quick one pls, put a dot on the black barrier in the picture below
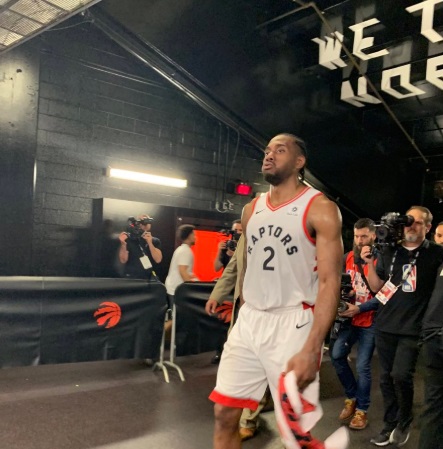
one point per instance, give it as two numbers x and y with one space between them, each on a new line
196 331
58 320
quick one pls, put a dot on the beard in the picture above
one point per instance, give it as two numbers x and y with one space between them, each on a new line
273 178
357 250
411 238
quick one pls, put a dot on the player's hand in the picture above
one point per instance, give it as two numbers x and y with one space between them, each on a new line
210 306
123 237
305 365
222 246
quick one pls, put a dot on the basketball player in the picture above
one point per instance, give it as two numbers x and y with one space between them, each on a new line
293 258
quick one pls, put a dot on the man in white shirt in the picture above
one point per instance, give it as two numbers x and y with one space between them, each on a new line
182 263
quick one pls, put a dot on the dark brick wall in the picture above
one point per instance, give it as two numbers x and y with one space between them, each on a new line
19 84
98 107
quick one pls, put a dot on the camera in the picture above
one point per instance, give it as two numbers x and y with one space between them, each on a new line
231 243
346 296
389 231
134 229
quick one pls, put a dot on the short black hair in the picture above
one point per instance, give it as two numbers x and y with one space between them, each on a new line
303 149
184 231
365 223
238 221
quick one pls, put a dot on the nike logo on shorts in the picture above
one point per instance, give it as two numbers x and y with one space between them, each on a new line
298 326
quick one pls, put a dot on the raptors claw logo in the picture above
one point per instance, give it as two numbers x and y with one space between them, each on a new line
108 313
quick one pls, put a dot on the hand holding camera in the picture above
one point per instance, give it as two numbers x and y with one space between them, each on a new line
147 236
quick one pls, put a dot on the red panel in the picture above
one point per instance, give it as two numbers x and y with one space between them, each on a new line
205 250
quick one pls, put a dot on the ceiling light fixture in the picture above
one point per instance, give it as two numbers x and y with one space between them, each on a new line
146 177
21 20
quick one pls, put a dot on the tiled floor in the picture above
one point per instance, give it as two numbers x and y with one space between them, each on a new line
124 405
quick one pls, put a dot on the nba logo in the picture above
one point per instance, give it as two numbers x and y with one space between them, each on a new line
410 284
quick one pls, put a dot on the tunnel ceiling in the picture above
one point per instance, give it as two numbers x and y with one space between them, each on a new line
260 60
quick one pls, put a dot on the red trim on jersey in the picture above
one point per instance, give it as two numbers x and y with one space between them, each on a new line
305 227
233 402
272 208
254 202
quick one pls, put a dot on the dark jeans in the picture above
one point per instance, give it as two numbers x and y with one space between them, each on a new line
397 357
431 435
360 387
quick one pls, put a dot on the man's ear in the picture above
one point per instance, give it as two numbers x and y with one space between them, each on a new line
300 161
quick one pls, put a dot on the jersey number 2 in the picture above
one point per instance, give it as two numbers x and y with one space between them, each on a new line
266 263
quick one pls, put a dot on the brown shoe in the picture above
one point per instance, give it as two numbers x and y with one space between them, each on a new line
348 412
247 433
359 421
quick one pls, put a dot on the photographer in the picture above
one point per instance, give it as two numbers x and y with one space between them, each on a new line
356 325
227 248
404 278
139 250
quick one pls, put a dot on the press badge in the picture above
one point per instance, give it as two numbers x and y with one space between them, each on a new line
145 262
386 292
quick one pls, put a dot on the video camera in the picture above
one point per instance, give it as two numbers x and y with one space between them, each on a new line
234 236
134 230
390 230
346 296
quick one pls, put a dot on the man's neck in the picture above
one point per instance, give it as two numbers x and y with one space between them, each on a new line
285 191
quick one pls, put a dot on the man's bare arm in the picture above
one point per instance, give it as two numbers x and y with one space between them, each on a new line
324 220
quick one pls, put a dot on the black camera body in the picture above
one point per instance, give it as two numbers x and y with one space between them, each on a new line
231 243
346 296
390 230
134 230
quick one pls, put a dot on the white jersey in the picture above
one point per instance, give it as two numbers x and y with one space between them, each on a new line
281 255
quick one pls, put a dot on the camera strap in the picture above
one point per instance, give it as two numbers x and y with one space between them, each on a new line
406 273
362 273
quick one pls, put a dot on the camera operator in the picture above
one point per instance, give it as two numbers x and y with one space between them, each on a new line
139 250
226 249
431 433
359 327
404 278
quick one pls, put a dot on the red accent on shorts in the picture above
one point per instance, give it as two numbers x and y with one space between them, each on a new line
307 306
305 227
233 402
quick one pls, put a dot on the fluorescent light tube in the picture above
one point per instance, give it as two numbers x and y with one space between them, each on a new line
146 177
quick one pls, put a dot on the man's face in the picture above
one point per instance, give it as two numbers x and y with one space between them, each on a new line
146 227
362 237
416 233
438 236
237 228
192 238
282 160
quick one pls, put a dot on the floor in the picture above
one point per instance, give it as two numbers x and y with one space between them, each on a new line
125 405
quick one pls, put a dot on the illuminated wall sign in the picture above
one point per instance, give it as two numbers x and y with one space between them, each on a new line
330 49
